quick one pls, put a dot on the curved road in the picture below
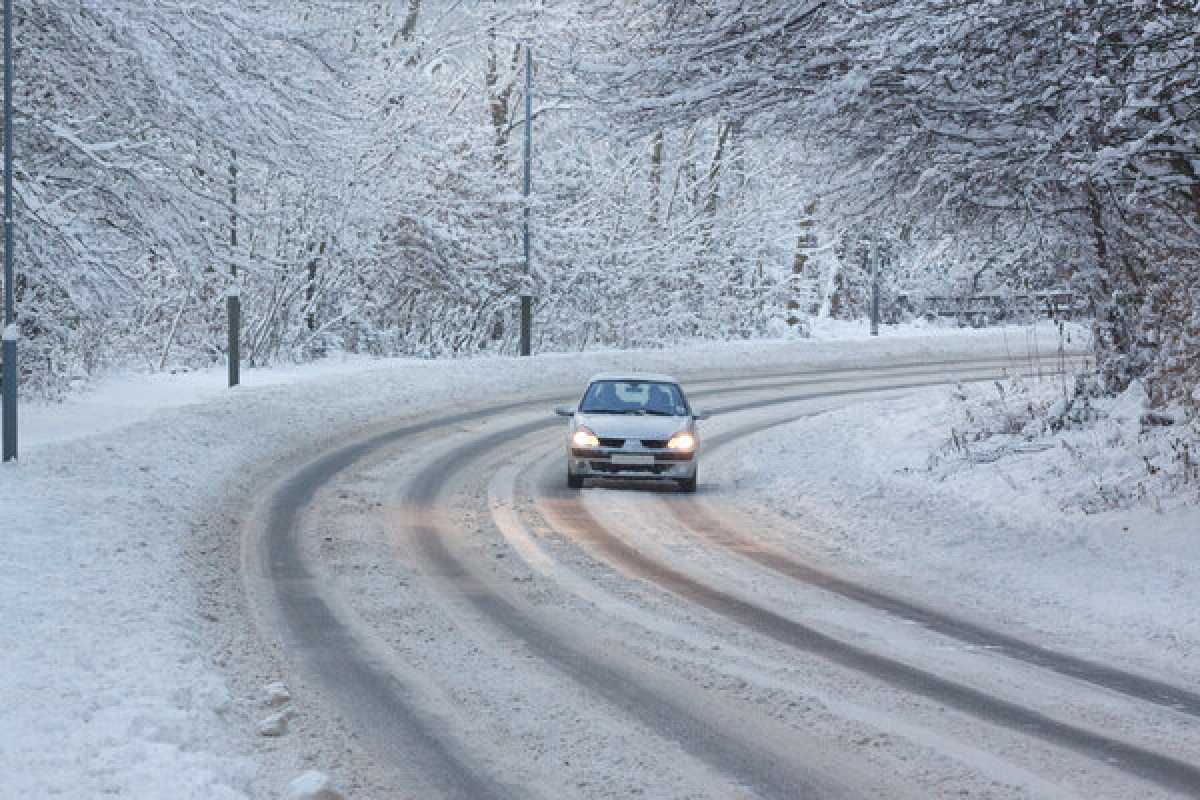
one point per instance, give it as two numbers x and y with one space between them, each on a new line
486 632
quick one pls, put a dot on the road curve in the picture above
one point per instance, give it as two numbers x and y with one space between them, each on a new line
373 698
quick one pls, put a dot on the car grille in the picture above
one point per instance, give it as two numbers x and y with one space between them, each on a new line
649 469
650 444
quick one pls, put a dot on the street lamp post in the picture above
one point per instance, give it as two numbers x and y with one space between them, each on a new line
10 321
526 299
233 298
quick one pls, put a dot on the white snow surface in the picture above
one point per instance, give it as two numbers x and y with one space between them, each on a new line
109 684
1016 529
313 785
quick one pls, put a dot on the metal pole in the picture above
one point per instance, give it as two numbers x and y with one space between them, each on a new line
233 301
233 307
526 299
874 289
10 334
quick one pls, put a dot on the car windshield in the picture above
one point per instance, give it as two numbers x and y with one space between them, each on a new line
634 397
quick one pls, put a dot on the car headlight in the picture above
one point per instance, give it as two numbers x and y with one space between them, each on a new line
682 441
584 438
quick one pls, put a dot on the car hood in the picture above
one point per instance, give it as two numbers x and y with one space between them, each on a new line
632 426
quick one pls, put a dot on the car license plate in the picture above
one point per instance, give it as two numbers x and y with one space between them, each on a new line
632 461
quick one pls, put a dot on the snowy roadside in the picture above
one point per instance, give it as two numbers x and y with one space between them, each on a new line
1004 529
109 669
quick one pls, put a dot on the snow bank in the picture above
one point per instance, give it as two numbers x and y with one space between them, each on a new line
313 785
108 666
1098 453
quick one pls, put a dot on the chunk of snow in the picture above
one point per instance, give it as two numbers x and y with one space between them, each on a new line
1129 404
313 785
276 724
276 694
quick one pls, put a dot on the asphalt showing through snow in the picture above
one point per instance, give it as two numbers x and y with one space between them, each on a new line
1129 684
382 706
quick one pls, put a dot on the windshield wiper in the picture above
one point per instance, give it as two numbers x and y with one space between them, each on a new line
658 413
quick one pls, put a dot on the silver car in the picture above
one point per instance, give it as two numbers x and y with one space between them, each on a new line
632 427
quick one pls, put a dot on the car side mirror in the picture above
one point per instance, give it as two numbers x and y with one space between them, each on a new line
699 415
565 411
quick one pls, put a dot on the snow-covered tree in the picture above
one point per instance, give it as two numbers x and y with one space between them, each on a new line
1064 132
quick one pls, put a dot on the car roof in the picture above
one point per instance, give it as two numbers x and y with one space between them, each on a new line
649 377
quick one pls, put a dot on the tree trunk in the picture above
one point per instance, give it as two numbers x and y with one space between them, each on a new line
724 129
410 20
310 290
498 98
683 169
805 242
656 159
713 186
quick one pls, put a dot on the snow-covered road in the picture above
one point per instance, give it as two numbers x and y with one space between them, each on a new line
485 632
391 539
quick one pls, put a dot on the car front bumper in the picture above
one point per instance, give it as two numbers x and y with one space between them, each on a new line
650 464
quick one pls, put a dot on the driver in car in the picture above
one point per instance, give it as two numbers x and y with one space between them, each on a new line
660 401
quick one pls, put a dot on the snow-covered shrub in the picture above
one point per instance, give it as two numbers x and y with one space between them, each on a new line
1096 451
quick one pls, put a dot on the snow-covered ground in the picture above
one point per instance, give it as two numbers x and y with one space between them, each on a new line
1047 536
111 676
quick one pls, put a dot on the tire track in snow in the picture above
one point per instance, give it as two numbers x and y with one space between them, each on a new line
289 598
661 703
709 528
376 699
1166 771
379 702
